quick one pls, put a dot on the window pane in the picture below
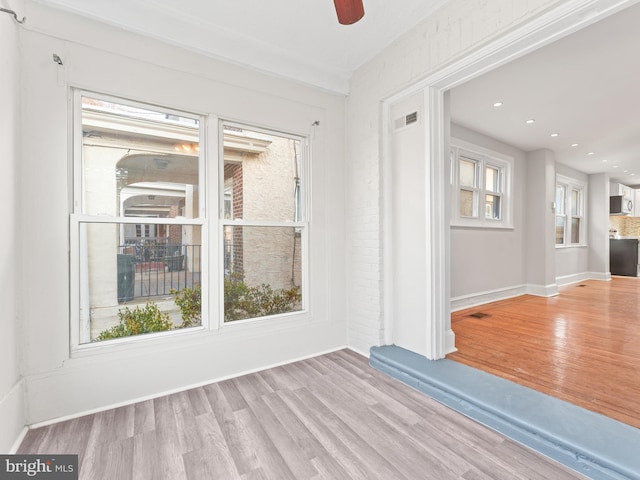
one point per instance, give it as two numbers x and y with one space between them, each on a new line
467 173
575 202
263 271
575 230
560 190
135 285
492 207
492 179
467 207
262 175
560 222
138 162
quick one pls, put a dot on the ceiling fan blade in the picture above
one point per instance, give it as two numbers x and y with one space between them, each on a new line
349 11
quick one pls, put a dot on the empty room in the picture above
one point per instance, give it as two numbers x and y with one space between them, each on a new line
325 239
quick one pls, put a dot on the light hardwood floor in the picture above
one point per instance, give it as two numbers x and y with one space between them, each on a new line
582 346
329 417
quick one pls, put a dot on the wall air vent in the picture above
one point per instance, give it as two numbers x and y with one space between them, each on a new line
406 120
411 118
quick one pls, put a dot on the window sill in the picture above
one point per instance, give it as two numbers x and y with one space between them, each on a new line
466 226
576 245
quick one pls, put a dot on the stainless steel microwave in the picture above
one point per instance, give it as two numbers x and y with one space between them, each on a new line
620 205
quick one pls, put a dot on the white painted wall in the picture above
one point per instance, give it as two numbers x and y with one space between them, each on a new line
12 414
598 226
409 285
456 29
540 223
103 59
490 262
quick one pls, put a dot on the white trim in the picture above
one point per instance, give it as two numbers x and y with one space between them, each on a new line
484 158
480 298
181 389
12 416
581 277
535 33
570 185
550 290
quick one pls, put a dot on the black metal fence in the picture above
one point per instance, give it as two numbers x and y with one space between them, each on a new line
149 269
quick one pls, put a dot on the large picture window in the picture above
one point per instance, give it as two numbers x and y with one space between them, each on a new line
138 223
481 187
264 222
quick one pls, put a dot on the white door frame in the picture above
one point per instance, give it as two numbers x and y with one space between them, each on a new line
548 27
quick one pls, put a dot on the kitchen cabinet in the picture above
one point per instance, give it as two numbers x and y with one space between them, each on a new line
636 203
620 189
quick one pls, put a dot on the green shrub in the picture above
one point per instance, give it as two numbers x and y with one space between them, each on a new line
138 321
189 301
242 301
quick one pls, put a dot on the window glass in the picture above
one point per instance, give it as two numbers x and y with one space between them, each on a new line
492 179
263 268
467 173
492 207
575 230
560 190
467 204
262 174
575 202
137 163
263 264
133 286
560 222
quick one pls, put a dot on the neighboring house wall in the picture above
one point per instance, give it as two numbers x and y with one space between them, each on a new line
456 29
12 415
268 193
113 61
487 264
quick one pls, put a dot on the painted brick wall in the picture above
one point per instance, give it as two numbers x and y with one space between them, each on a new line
454 30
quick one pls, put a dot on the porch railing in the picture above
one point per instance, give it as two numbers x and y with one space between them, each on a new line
149 269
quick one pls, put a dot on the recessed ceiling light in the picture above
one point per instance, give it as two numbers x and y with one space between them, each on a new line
632 175
604 160
626 171
555 134
531 120
498 104
590 153
574 144
615 166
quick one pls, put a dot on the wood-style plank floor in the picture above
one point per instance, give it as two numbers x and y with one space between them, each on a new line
582 346
329 417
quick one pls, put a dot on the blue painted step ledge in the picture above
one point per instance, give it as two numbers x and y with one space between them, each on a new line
592 444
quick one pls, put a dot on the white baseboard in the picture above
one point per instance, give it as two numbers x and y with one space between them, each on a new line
450 342
480 298
542 290
581 277
12 418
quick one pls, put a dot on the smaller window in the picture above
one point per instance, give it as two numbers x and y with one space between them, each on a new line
481 182
569 212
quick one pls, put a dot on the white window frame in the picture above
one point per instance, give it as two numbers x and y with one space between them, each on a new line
484 158
570 185
301 223
78 334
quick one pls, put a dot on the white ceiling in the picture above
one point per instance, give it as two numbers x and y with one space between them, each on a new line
299 39
585 87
